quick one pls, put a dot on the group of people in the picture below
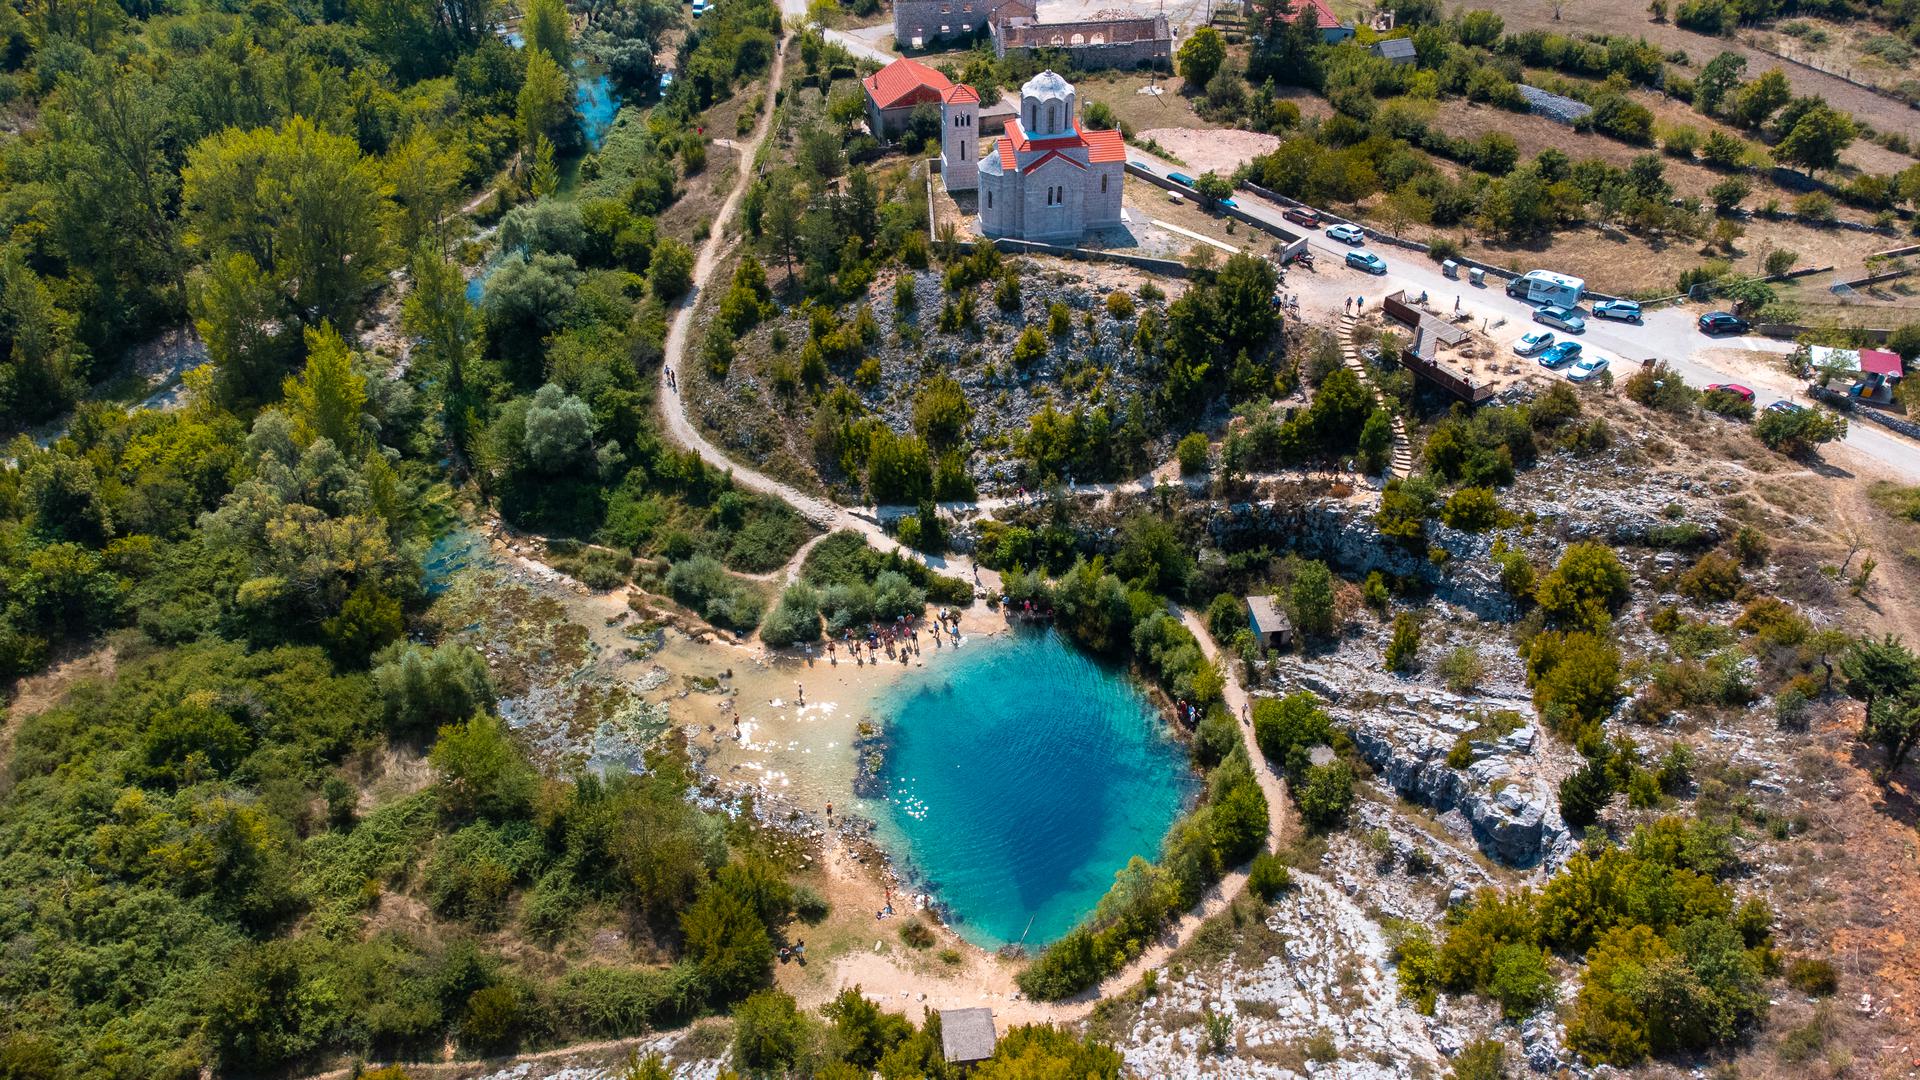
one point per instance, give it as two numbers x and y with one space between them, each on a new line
899 640
1024 609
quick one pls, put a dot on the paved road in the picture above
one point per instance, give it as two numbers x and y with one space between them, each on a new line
1667 333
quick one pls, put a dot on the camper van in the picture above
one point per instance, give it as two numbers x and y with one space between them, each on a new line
1547 287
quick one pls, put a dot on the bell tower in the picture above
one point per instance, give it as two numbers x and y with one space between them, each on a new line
960 138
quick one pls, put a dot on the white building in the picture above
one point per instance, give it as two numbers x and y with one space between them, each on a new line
1046 178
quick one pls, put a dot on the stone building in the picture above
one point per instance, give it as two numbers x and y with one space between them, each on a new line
922 24
896 90
1118 42
1047 178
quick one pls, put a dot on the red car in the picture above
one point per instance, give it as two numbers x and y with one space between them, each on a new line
1735 389
1300 215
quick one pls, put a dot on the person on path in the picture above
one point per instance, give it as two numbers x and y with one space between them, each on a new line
1363 304
1349 304
801 693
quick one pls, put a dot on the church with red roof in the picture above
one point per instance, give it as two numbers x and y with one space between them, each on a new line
1048 178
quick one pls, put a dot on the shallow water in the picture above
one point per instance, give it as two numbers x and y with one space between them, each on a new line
1020 776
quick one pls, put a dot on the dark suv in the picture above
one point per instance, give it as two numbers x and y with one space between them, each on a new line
1720 322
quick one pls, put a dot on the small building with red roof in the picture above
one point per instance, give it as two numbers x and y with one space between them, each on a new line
896 90
1332 30
1047 177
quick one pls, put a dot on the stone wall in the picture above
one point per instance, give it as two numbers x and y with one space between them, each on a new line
1103 43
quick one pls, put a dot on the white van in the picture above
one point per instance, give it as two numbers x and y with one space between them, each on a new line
1547 287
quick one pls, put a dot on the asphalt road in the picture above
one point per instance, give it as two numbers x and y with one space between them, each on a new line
1668 333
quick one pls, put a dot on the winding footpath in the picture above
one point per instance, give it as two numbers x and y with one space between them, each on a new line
681 428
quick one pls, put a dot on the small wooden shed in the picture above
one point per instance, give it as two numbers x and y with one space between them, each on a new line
1271 628
966 1035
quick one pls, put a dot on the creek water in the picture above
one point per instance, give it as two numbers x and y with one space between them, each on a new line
1020 775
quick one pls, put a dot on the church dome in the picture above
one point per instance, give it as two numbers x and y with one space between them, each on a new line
1047 105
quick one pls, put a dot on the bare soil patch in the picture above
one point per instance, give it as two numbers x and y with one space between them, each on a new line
37 693
1213 151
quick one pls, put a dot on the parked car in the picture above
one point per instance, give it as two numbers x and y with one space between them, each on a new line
1786 407
1624 310
1565 318
1564 353
1533 342
1180 178
666 81
1722 322
699 7
1300 215
1347 234
1368 261
1226 202
1589 368
1735 389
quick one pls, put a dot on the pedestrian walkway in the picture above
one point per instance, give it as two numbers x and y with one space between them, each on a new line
1401 462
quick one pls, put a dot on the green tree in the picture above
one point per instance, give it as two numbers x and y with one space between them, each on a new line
1042 1050
239 311
329 398
1376 440
546 99
1287 728
441 320
301 202
727 943
1760 99
671 273
1816 139
424 173
423 689
543 178
1312 595
1326 794
1575 679
1473 509
1718 78
767 1031
480 770
1877 669
544 25
1201 56
1403 650
1797 433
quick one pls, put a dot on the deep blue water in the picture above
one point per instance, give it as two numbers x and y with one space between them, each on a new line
1021 774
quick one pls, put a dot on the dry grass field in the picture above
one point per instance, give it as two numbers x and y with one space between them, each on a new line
1630 17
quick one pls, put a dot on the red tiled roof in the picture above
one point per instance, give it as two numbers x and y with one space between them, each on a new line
959 93
1101 146
1104 146
1323 15
900 82
1879 362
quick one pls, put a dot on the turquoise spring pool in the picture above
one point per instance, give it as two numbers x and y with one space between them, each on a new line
1021 774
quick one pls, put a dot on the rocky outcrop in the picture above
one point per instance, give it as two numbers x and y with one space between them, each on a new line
1514 818
1344 535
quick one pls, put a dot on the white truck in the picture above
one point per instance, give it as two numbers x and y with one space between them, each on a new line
1547 287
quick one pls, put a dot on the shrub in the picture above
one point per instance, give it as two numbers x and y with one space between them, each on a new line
1031 346
1584 793
1575 679
1661 388
1585 589
1192 451
1797 433
1812 976
1714 578
1485 1059
1286 728
1403 650
1727 403
767 1031
795 619
1463 669
1521 981
916 934
1327 795
1472 509
1120 305
1268 877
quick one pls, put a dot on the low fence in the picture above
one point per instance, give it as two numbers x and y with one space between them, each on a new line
1855 410
1791 331
1292 243
1895 253
1873 279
